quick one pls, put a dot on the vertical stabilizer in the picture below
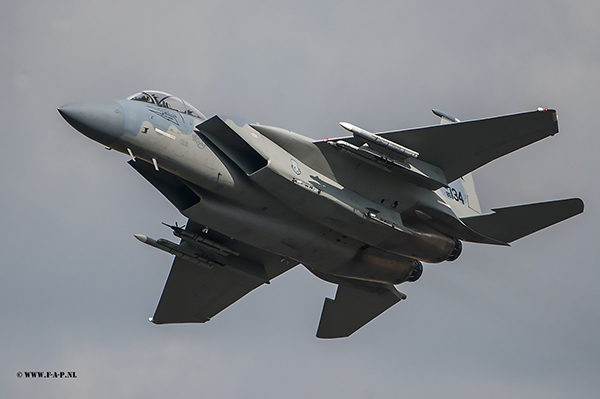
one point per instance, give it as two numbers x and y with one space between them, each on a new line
469 186
461 194
462 197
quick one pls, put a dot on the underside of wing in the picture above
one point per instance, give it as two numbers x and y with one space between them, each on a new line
194 293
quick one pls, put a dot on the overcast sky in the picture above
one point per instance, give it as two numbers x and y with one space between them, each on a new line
76 288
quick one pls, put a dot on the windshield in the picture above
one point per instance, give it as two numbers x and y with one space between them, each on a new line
166 100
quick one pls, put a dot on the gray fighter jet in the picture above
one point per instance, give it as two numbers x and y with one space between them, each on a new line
361 211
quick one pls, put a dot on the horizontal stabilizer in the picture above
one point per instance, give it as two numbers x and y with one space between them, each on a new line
515 222
354 306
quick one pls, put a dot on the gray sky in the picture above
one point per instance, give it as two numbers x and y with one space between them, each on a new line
76 288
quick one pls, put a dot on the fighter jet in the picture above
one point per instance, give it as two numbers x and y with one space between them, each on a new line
362 211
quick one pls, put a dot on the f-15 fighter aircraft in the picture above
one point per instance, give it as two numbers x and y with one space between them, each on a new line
362 211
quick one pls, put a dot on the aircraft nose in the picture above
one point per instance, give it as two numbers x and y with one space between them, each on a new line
101 121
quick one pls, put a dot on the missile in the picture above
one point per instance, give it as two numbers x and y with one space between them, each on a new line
197 238
365 153
176 249
242 265
445 116
379 141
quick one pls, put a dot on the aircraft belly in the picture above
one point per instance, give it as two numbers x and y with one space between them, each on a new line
287 236
293 200
302 240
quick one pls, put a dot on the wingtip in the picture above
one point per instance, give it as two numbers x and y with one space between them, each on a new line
581 204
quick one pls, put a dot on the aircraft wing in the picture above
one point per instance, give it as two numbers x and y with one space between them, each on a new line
460 148
194 294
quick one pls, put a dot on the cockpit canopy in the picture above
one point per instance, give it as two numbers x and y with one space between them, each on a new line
166 100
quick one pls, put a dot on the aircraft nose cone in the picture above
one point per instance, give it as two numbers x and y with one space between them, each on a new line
101 121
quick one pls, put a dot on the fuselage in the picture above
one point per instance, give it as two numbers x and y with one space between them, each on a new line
274 190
